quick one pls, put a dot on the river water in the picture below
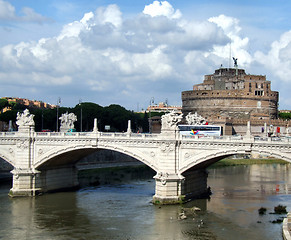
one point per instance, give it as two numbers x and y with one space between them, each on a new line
124 211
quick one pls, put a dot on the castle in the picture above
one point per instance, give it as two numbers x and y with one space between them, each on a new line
229 97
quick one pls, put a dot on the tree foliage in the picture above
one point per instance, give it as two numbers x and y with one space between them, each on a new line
114 115
285 116
87 112
3 103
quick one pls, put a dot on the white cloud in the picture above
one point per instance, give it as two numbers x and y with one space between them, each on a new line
229 24
162 8
278 59
7 13
238 46
110 14
42 78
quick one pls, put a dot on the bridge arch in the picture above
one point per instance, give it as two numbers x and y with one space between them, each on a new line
72 154
206 160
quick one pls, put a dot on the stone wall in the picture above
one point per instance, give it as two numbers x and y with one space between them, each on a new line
235 104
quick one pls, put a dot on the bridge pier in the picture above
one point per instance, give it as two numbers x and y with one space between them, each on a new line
28 182
175 188
195 184
25 183
168 188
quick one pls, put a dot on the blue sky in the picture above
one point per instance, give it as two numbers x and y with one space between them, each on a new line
127 52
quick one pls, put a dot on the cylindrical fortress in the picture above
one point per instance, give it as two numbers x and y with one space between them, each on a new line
231 93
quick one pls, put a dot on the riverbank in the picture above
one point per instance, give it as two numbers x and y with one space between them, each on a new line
233 162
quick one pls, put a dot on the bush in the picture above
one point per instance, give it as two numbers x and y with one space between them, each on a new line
280 209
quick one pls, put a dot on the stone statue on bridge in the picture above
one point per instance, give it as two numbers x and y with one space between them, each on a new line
195 119
170 121
25 119
67 121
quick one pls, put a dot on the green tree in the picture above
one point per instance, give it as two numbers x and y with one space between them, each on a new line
114 115
9 115
90 111
3 103
285 116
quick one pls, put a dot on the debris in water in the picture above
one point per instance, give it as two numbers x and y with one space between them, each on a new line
262 210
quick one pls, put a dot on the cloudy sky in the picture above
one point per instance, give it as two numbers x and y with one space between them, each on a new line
128 52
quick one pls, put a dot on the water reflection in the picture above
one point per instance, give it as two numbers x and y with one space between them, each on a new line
124 210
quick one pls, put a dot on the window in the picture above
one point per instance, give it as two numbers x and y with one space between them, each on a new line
259 93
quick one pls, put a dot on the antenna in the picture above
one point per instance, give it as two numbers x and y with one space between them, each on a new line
229 60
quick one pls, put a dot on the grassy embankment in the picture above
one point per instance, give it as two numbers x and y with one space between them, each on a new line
233 162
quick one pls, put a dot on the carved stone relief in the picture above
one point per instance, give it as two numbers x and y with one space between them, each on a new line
171 120
195 119
167 147
67 121
23 144
163 176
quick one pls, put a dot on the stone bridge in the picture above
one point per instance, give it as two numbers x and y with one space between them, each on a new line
46 161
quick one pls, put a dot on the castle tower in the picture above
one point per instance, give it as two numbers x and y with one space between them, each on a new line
230 93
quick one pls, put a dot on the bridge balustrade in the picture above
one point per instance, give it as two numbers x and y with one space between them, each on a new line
88 134
284 139
104 134
137 135
42 134
85 133
7 133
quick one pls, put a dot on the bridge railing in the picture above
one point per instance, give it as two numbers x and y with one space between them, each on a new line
7 133
133 135
207 138
283 139
61 134
92 134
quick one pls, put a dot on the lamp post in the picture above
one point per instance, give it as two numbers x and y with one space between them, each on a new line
58 103
81 123
41 119
150 120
